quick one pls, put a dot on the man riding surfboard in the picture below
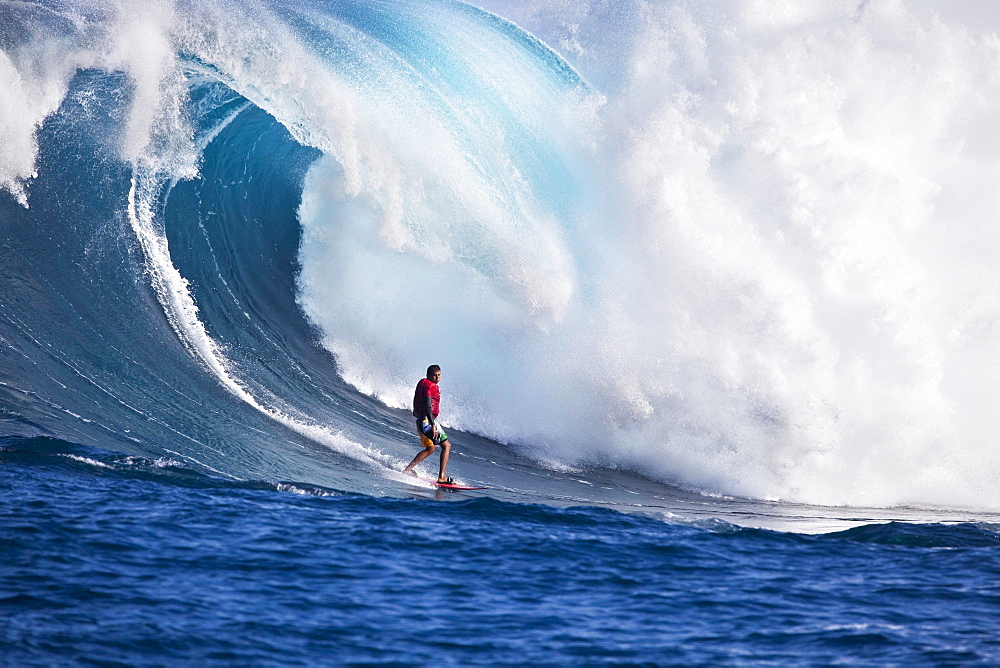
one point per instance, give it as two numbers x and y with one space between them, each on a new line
426 405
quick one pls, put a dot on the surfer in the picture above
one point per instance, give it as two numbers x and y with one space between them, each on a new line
426 402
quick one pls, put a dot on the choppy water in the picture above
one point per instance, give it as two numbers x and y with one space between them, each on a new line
110 560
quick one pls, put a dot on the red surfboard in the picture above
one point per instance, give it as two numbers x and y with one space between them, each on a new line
444 485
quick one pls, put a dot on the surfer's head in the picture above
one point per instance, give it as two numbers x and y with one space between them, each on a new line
434 373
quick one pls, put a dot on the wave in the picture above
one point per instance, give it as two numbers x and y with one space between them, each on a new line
958 536
43 452
744 250
76 464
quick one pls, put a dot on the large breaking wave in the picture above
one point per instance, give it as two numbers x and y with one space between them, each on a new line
748 249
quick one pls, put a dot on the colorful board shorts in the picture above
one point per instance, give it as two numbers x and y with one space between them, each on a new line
425 430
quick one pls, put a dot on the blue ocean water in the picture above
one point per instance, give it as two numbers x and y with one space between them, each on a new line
716 313
114 560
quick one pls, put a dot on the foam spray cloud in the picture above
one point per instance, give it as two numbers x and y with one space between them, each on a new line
784 286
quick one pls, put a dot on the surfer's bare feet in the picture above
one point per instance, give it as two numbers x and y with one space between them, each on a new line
410 472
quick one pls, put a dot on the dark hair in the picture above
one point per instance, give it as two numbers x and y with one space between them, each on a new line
431 369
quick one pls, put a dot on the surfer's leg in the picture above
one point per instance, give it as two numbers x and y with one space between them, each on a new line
428 448
421 456
445 452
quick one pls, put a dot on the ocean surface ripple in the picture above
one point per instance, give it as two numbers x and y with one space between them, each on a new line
108 563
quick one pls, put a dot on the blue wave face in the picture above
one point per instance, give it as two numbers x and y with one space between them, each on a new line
92 358
155 274
237 233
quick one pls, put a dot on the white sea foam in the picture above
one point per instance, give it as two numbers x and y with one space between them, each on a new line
89 461
789 287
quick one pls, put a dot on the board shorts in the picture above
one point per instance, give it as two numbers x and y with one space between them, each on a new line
425 430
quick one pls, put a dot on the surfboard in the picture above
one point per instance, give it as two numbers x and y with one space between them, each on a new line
443 485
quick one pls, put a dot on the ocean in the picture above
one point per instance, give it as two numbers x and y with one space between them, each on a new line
713 288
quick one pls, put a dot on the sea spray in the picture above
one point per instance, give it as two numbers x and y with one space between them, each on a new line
781 290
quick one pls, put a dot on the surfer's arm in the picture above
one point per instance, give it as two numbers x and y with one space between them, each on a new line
428 411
